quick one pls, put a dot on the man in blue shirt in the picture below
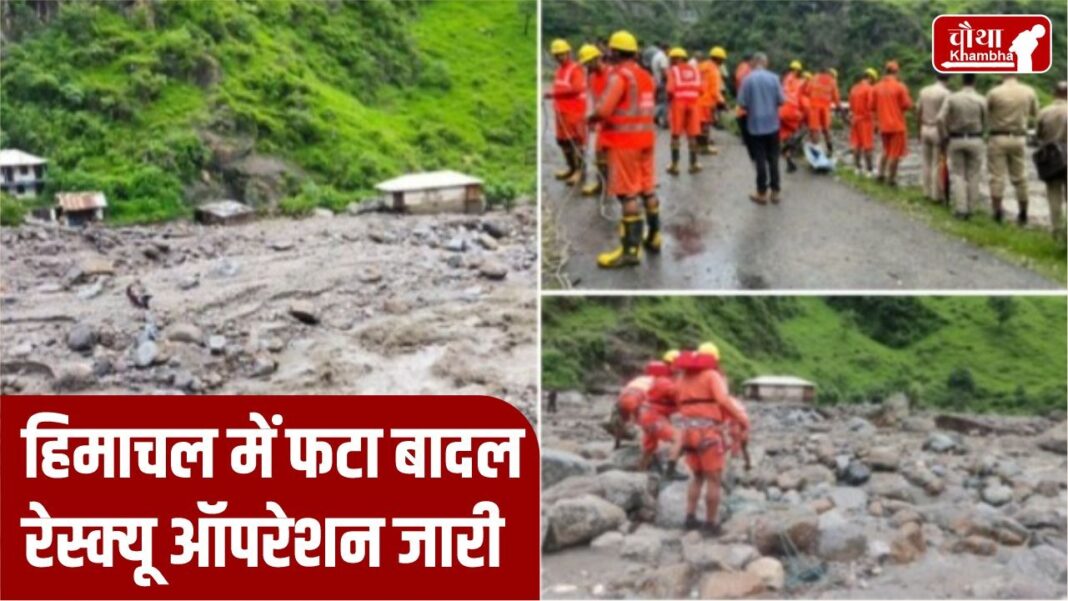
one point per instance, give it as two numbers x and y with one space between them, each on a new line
761 96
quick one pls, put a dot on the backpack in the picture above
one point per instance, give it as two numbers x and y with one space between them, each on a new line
1050 160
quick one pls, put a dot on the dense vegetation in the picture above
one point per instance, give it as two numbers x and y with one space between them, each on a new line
838 33
148 101
1004 354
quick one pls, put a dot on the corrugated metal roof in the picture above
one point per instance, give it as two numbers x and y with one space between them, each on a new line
425 181
81 201
778 381
13 157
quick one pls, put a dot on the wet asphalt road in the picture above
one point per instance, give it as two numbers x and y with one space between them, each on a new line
823 236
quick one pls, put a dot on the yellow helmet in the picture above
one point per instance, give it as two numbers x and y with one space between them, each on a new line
795 65
677 52
559 46
718 52
670 356
623 40
709 348
833 72
806 75
872 73
587 53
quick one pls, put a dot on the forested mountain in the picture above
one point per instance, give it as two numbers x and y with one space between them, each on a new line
164 103
847 35
999 353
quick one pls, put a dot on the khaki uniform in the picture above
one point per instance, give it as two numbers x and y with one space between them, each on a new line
1053 127
1009 104
962 119
929 104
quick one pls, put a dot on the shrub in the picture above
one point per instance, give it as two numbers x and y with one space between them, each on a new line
11 211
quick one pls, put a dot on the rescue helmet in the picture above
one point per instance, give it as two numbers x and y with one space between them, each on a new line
670 356
657 369
795 65
892 66
708 348
587 53
623 41
718 52
677 52
872 73
559 46
833 72
806 75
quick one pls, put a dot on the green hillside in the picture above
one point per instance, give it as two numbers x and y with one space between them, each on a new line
847 35
163 104
1003 354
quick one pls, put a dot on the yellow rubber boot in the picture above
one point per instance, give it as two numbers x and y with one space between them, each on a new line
592 189
628 254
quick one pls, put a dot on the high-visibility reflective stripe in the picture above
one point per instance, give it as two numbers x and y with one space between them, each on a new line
562 85
687 82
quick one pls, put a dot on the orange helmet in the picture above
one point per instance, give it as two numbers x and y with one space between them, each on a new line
658 369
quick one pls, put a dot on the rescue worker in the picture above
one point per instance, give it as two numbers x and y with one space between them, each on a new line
1053 129
791 82
761 96
1010 105
569 104
961 121
861 129
711 99
625 113
683 91
596 79
890 99
791 116
928 105
653 413
823 97
740 73
705 409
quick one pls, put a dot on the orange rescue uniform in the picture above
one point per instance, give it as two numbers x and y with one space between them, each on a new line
569 102
889 101
705 407
711 90
684 90
626 114
861 132
740 73
654 416
598 80
823 94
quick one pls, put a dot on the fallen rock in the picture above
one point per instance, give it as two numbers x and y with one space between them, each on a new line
729 585
608 540
644 545
891 486
940 442
770 571
304 312
799 525
976 545
884 458
557 465
848 499
146 354
81 338
667 582
73 376
840 539
997 494
217 344
185 332
704 554
909 544
493 270
1054 440
856 473
579 520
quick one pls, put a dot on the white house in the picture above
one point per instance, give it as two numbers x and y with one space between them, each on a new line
21 174
434 192
779 388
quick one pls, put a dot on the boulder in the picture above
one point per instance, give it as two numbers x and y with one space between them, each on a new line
848 499
976 545
856 473
790 480
940 442
730 585
1054 440
798 525
557 465
840 539
627 490
81 338
815 474
304 312
185 332
704 554
891 486
918 474
73 376
579 520
644 545
667 582
997 494
884 458
861 427
609 540
146 354
770 571
908 544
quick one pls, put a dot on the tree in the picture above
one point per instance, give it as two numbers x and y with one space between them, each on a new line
1004 307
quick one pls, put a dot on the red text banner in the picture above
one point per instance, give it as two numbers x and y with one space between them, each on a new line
992 43
275 497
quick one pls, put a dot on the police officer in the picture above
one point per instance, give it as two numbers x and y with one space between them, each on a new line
927 108
1052 129
1010 105
961 122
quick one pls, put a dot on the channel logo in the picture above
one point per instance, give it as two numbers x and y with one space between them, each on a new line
992 43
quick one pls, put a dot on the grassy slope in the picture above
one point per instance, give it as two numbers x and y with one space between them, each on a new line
351 94
585 339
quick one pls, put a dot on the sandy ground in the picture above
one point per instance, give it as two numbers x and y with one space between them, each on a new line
824 235
400 305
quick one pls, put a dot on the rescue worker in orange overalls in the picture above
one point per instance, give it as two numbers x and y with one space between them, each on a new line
706 411
683 92
625 113
711 98
823 97
791 115
889 101
596 79
862 124
649 401
793 79
569 104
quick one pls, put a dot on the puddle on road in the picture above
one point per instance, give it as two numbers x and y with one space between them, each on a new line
688 238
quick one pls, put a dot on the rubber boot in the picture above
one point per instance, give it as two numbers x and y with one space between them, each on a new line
629 252
579 174
830 147
999 213
652 230
1021 217
674 168
569 156
695 167
691 523
711 148
602 177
